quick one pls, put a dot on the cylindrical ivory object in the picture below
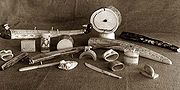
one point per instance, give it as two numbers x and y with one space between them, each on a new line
107 35
131 57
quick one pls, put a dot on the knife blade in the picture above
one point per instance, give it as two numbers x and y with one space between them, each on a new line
102 71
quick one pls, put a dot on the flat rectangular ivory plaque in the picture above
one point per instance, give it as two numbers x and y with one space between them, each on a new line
28 45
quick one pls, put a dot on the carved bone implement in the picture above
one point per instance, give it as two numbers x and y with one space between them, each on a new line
53 54
14 60
122 45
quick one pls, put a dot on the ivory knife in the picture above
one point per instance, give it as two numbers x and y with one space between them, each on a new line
102 71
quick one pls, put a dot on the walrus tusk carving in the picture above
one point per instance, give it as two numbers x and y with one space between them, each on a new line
122 45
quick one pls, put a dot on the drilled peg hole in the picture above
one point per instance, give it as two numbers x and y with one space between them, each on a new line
105 20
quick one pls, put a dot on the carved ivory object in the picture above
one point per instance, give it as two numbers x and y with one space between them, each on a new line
131 57
122 45
28 45
102 71
38 66
45 42
110 55
106 21
149 72
65 65
14 60
66 41
50 55
88 51
8 33
6 55
148 40
107 35
116 65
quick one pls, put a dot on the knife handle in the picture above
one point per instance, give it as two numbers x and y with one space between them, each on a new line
28 68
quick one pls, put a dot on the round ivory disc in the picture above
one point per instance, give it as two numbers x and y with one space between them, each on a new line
64 43
106 20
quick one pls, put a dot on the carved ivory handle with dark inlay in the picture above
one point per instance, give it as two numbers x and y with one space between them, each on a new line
148 40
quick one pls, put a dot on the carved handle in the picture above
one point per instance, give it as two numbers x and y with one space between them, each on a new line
14 60
148 40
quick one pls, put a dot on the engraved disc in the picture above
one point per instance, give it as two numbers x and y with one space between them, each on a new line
106 20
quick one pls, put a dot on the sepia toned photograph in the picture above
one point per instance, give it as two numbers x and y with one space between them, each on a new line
89 45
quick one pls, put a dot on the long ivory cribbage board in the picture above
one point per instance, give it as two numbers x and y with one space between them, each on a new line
122 45
32 34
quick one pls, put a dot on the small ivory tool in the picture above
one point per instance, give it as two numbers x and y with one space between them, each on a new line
50 55
102 71
14 60
88 51
122 45
148 71
65 65
148 40
38 66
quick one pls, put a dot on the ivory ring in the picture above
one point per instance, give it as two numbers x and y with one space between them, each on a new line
116 65
110 55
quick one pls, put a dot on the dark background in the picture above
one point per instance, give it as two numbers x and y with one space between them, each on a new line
155 15
155 18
